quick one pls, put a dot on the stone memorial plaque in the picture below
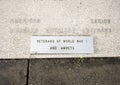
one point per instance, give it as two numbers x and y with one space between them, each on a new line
22 19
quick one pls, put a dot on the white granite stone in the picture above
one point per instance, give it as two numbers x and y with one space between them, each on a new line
21 19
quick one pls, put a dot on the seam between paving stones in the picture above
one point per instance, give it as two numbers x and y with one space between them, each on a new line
28 71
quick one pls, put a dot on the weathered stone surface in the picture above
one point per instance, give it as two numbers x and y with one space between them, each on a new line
75 71
13 72
21 19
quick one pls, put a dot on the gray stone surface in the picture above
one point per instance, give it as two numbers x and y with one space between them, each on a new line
79 71
75 71
13 72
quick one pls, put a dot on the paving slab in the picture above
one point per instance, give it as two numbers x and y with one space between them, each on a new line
13 72
80 71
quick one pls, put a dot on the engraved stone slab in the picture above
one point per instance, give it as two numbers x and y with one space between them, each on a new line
21 19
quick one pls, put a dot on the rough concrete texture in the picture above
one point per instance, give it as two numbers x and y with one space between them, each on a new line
75 71
13 72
